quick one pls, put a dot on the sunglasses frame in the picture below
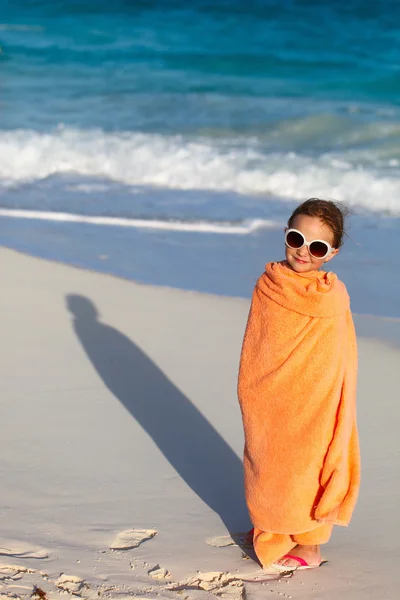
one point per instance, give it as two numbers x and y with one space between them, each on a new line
308 244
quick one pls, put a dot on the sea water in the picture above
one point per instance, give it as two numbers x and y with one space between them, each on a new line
168 141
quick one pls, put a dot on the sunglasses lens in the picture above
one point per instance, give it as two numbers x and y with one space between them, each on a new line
318 249
294 239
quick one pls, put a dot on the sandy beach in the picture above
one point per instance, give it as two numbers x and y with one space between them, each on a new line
121 445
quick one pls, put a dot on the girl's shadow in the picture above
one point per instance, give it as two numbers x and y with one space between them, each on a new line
188 441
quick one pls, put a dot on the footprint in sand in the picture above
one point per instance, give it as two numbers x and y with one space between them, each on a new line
25 550
132 538
158 572
15 572
244 540
221 541
218 583
70 583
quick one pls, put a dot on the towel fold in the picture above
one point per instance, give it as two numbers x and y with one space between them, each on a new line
297 393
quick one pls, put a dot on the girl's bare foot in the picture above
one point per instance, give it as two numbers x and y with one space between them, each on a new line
311 554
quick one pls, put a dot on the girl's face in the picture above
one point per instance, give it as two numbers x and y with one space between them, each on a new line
312 228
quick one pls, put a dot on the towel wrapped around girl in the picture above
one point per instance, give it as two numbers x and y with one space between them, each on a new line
297 393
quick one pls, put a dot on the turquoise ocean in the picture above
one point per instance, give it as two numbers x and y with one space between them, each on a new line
167 142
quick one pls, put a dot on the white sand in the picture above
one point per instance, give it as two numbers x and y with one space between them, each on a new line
128 420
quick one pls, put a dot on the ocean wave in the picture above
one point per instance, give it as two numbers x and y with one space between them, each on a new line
219 227
177 162
20 27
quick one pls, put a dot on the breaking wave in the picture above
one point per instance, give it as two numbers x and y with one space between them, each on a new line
240 165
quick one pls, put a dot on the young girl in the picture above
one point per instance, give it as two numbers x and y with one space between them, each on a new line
297 392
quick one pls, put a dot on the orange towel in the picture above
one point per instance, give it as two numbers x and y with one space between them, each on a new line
297 392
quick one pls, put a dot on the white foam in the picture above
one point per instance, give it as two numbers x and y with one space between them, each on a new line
207 163
87 188
243 228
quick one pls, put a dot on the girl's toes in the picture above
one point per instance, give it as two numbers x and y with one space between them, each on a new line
284 562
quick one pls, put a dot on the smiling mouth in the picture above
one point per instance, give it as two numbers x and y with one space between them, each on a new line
300 260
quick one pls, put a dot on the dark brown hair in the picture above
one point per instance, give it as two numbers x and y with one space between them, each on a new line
330 213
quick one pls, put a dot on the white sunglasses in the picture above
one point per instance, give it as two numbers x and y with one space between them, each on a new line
294 239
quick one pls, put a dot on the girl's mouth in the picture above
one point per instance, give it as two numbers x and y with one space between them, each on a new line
303 262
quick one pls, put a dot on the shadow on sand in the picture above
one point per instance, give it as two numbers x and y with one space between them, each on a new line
188 441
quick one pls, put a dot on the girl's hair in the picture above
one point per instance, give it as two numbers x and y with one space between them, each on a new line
330 213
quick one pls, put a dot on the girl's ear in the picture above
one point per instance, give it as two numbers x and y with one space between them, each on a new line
332 254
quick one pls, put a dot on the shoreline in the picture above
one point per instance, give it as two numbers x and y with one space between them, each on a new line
225 265
81 267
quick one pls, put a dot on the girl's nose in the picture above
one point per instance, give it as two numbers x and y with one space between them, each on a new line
303 251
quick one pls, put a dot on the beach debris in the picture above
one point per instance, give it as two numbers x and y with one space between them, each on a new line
37 591
70 583
132 538
158 572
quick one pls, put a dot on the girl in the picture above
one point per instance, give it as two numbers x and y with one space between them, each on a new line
297 393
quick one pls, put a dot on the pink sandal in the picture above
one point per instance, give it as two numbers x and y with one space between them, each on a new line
303 564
